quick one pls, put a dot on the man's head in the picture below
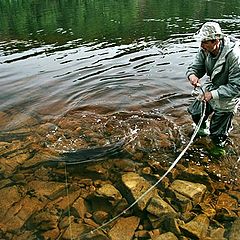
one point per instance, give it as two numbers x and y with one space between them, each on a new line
210 35
210 31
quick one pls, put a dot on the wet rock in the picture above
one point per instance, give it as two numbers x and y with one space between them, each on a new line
124 228
46 128
134 186
207 209
64 202
172 225
197 175
24 235
105 198
100 216
226 201
158 207
11 197
65 222
44 189
20 212
217 234
166 236
97 171
43 220
193 191
80 207
51 234
235 195
110 192
197 228
142 234
178 201
77 231
226 207
16 120
125 165
235 230
5 183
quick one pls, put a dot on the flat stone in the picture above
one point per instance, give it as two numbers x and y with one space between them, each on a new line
80 206
44 220
11 197
109 191
235 230
46 189
124 229
179 202
136 186
20 212
167 236
197 228
226 201
76 231
197 175
217 234
194 191
158 207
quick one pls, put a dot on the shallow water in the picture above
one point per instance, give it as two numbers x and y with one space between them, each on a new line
100 57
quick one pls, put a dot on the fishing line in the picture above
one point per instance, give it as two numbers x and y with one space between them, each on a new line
68 207
164 175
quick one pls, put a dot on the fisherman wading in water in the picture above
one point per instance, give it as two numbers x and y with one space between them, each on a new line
218 58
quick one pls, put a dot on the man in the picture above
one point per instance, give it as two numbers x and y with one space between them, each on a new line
218 58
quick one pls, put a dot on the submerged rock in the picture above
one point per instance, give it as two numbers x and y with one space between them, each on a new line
197 228
158 207
235 230
166 236
193 191
135 186
124 228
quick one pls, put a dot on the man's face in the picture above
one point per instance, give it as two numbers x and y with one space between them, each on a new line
210 46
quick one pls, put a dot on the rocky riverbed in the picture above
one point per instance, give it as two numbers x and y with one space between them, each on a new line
75 176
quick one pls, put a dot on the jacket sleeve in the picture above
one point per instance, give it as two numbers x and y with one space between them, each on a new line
197 67
232 88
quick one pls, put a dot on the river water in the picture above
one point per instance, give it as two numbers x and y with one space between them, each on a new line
100 57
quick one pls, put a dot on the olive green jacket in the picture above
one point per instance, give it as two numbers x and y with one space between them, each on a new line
223 78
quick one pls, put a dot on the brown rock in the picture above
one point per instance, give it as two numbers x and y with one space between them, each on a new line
158 207
109 191
197 228
226 201
80 206
217 234
136 186
235 230
194 191
197 175
166 236
124 228
20 212
43 221
46 189
77 231
11 197
179 202
100 216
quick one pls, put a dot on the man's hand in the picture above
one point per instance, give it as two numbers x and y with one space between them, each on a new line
194 80
207 96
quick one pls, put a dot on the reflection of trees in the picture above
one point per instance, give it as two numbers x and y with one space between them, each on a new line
52 20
